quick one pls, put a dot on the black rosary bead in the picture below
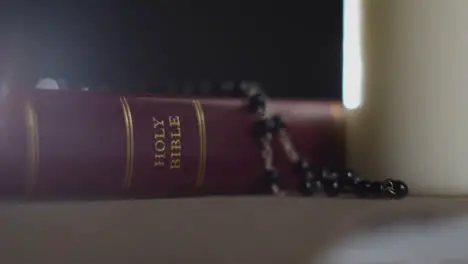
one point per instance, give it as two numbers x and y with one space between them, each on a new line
395 189
278 123
348 178
262 127
331 187
369 189
237 90
272 176
376 189
362 188
257 102
307 187
302 166
308 183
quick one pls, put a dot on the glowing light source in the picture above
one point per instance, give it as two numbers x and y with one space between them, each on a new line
352 54
47 84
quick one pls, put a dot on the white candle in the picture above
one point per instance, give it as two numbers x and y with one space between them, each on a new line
411 122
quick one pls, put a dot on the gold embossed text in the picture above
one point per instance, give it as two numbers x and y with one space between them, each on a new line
167 142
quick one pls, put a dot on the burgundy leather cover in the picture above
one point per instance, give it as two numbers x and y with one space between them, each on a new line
87 145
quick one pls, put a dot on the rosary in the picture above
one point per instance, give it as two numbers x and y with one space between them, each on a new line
332 183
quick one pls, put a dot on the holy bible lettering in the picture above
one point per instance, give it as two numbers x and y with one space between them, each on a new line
161 136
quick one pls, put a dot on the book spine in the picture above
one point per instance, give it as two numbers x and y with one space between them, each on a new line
56 144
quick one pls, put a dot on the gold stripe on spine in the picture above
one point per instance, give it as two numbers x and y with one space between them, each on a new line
32 145
129 142
202 140
338 115
336 110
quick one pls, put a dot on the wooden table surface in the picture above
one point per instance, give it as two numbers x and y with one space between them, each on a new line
202 230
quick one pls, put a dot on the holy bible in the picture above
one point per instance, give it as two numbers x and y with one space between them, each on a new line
94 145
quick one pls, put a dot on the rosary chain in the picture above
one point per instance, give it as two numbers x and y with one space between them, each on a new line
267 126
288 147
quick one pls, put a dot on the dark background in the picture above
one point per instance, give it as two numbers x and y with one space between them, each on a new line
292 48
